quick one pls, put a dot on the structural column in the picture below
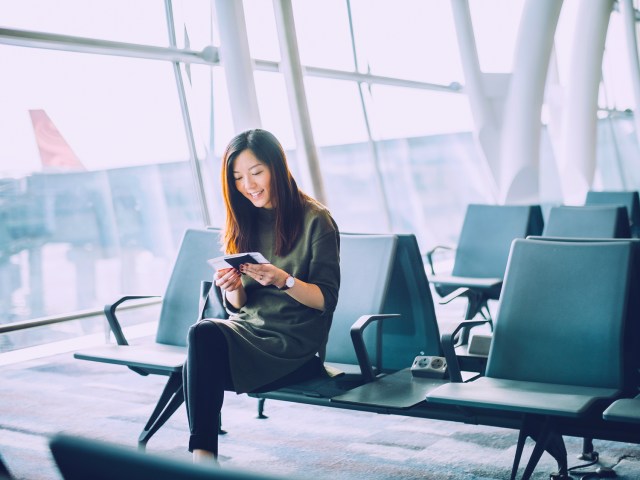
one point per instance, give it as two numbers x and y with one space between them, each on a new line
577 160
520 140
629 18
292 70
486 119
238 68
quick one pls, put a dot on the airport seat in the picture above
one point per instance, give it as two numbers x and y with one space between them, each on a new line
478 270
625 410
482 251
592 221
595 222
408 295
366 263
374 286
632 329
180 309
558 352
83 459
629 199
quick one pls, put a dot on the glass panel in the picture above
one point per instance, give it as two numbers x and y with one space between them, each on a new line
274 107
212 126
326 97
428 181
323 34
412 39
495 25
193 22
261 30
142 21
617 154
95 186
421 154
404 112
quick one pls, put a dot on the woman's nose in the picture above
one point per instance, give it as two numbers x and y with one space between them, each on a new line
248 182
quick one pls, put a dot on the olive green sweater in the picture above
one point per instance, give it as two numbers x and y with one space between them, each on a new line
273 334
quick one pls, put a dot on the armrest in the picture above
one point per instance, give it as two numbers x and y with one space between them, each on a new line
357 330
449 349
429 255
458 292
114 324
205 287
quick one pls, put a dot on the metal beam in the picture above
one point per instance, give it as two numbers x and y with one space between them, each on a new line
50 320
201 195
68 43
291 68
454 87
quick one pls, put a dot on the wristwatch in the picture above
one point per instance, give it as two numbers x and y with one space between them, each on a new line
289 282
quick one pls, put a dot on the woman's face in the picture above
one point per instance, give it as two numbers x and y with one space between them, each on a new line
253 179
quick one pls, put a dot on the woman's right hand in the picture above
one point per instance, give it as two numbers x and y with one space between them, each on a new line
228 279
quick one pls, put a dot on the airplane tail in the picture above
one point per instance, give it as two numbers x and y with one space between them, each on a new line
55 153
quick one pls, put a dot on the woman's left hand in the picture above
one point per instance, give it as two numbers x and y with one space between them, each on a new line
264 273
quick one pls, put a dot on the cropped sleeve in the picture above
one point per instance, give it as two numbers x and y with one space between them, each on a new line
324 266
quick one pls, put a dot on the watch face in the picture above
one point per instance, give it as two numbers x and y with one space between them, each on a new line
290 281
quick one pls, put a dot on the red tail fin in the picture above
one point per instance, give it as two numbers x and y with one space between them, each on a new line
55 152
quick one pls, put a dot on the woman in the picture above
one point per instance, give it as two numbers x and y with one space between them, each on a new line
280 312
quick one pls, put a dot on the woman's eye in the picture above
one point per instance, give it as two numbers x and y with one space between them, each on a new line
257 173
238 179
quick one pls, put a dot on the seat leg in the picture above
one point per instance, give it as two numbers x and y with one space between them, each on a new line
557 450
588 452
221 431
538 450
522 436
170 400
261 414
542 438
475 302
487 315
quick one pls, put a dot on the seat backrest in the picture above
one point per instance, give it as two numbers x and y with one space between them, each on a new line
486 236
84 458
563 314
593 221
416 332
181 298
366 263
632 329
628 199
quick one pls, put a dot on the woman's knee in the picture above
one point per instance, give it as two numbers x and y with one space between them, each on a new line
206 332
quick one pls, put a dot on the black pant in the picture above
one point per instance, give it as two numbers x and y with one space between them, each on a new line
206 376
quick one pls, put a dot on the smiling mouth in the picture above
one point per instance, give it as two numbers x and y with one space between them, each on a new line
257 194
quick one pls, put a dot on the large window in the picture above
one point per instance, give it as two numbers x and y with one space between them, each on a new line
98 152
391 152
143 22
96 188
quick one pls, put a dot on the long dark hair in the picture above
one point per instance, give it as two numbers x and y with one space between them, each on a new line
287 200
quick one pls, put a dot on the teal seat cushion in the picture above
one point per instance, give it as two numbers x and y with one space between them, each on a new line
623 410
521 396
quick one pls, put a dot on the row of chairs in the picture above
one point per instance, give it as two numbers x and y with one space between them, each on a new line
565 344
488 230
484 243
372 355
